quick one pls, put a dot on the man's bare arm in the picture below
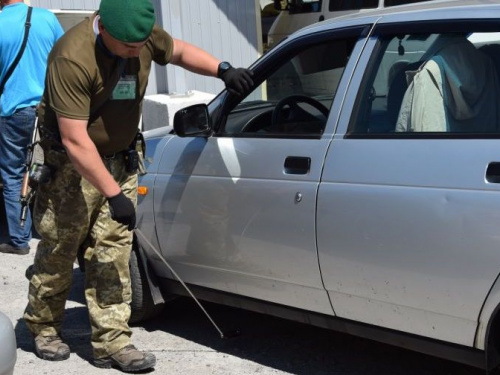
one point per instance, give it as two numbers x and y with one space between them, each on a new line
237 80
194 59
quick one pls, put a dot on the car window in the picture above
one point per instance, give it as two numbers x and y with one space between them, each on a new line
304 6
389 3
294 100
338 5
431 83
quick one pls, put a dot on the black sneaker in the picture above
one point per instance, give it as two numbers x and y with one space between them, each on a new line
128 359
7 248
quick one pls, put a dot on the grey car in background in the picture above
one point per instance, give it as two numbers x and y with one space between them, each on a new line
8 353
357 187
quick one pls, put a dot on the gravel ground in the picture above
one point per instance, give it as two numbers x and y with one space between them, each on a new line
184 342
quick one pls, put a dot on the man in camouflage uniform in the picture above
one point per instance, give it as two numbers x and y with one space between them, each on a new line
89 115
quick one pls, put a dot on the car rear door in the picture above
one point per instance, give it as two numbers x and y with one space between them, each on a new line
408 218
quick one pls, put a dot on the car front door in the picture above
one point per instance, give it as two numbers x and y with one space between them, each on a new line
236 211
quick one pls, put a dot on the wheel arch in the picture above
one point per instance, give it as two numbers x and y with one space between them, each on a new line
492 342
149 274
488 331
147 298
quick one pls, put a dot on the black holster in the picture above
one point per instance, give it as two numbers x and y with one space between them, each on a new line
134 155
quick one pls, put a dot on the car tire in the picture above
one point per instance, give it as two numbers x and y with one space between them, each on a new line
142 305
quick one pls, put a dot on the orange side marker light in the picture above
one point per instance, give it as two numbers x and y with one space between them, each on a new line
142 190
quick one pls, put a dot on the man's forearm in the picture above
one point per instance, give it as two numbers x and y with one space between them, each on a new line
88 163
85 157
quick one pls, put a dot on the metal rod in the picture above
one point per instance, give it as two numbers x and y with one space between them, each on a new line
143 238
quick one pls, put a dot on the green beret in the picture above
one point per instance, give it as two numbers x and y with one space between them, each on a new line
129 21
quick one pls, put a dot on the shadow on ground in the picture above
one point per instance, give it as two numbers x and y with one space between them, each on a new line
294 347
272 342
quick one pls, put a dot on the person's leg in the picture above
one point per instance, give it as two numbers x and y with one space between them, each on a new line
15 136
62 218
108 286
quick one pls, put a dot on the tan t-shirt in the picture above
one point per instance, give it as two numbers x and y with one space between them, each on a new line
81 83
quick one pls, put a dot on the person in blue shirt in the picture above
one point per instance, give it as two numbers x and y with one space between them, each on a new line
22 92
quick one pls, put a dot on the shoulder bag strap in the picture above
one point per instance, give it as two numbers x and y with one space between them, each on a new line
21 50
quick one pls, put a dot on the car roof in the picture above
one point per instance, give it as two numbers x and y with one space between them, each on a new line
421 6
435 9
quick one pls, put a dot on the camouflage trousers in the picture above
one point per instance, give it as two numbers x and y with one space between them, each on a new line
70 214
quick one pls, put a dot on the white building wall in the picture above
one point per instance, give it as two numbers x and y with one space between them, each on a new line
228 29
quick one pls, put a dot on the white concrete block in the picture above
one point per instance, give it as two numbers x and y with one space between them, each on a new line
159 110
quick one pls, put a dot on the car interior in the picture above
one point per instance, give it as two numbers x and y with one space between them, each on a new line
431 83
294 101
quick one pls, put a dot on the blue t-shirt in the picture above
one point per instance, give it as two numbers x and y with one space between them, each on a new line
25 86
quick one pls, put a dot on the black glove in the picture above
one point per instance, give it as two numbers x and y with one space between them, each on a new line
122 210
238 80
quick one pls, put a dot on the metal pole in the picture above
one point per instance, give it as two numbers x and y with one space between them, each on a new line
145 240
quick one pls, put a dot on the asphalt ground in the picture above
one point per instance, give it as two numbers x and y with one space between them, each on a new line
184 341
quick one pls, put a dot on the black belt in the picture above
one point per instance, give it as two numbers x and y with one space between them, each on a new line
57 148
61 149
115 155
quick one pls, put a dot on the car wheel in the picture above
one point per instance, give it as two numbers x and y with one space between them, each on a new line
142 305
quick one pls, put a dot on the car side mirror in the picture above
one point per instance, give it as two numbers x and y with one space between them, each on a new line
193 121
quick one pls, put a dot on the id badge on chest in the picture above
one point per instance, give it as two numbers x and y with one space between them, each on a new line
125 89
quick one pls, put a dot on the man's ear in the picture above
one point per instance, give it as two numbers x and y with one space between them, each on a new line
100 26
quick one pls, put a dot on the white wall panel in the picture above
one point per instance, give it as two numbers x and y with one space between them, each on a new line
67 4
226 28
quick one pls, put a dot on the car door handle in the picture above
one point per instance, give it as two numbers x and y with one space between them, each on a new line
297 165
493 172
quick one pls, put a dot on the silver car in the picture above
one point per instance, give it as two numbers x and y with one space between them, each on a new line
8 354
357 187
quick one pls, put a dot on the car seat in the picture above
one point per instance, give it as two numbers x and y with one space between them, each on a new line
398 84
493 51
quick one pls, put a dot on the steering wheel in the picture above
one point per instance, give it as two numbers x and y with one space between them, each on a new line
293 101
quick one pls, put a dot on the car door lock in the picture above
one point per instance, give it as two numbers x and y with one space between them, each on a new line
298 197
